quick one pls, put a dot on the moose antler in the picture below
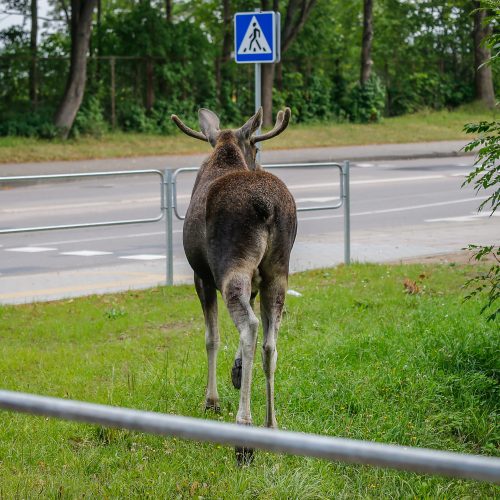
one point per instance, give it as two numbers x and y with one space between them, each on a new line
187 130
281 124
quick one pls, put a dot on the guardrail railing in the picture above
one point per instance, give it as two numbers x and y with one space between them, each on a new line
28 178
312 445
344 200
169 205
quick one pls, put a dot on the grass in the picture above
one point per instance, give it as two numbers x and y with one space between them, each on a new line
419 127
359 358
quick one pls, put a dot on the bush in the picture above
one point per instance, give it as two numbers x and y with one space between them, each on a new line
367 102
90 119
29 124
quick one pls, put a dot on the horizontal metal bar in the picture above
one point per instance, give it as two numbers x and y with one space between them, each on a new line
270 166
78 175
326 207
361 452
77 226
304 165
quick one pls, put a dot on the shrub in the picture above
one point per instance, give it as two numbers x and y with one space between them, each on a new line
90 119
29 124
367 102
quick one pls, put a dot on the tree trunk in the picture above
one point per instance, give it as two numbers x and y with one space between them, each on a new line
366 44
295 17
168 10
99 40
225 54
267 75
483 77
33 74
81 27
150 90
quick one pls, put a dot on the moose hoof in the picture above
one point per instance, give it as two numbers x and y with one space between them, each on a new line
213 405
236 373
244 456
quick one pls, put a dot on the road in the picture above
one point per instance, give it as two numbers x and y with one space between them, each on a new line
399 209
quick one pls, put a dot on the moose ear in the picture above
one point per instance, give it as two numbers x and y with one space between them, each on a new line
252 125
209 124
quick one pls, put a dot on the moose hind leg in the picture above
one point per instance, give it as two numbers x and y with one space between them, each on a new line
236 291
237 365
208 298
271 307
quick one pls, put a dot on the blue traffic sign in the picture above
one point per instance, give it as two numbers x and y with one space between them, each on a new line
256 37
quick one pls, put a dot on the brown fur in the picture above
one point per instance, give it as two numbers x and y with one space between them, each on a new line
238 234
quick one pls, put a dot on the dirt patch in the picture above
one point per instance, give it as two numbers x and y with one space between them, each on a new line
461 257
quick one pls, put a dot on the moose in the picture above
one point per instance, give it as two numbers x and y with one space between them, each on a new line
238 234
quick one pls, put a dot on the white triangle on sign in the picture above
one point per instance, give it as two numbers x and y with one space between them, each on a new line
254 41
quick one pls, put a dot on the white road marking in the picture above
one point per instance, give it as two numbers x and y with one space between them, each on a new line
465 218
370 181
86 253
364 165
143 257
30 249
399 209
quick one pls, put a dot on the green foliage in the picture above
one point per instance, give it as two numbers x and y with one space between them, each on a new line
35 124
487 282
90 119
485 176
422 90
422 53
486 173
367 101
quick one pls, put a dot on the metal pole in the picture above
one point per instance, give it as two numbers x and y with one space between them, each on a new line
347 213
349 450
258 101
168 206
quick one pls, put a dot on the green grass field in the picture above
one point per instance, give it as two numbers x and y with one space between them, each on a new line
359 358
419 127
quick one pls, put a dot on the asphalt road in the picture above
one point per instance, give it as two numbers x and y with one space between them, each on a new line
399 209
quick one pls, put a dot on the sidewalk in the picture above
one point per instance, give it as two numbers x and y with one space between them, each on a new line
377 152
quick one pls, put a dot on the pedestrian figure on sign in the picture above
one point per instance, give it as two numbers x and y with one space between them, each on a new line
253 38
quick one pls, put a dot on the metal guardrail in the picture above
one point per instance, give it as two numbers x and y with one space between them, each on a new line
312 445
27 178
344 200
169 206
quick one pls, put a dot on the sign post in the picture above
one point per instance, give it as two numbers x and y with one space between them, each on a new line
257 41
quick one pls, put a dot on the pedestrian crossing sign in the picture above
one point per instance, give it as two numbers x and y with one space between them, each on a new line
257 37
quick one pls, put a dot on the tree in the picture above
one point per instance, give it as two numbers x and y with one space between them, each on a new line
482 54
297 13
225 55
33 77
366 44
81 27
168 10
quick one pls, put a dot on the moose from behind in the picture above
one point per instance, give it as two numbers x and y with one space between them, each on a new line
238 234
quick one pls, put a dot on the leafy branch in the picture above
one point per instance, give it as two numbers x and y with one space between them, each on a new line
487 282
486 173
